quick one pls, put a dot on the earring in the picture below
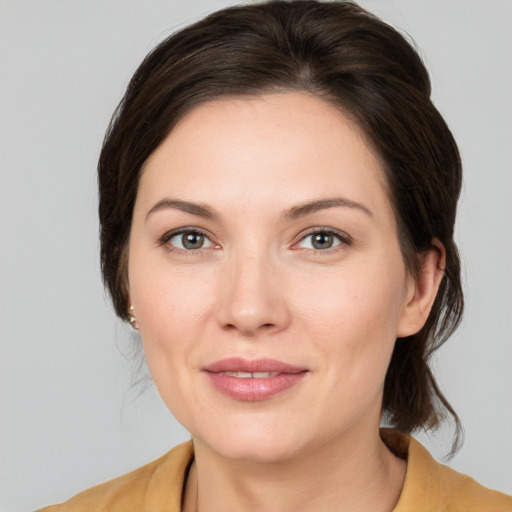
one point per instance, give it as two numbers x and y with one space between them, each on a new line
132 319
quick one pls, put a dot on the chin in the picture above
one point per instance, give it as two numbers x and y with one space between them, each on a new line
250 449
253 441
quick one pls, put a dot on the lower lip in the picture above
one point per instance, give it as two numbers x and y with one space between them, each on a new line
254 390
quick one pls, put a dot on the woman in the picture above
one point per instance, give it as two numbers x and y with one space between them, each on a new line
277 203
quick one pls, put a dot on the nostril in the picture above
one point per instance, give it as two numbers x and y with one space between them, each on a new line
249 329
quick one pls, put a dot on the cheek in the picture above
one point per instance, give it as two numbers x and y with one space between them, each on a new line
165 295
352 319
353 299
170 312
172 308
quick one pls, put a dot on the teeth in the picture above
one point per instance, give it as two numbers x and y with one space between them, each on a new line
243 375
248 375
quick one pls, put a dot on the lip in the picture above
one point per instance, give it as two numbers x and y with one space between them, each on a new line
255 388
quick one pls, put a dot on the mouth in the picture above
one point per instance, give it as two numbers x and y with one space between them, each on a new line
253 380
249 375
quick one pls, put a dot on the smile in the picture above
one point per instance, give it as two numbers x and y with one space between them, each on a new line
253 380
249 375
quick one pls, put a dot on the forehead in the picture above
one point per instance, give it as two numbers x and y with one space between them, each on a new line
267 149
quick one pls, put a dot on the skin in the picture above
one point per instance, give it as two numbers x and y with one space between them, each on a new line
259 288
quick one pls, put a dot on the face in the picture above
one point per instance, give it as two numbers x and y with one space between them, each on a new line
266 275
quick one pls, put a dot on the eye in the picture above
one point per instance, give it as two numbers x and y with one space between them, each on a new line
322 239
189 240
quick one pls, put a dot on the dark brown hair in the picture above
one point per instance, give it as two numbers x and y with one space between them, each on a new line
343 54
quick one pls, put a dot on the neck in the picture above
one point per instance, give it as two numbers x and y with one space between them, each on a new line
355 473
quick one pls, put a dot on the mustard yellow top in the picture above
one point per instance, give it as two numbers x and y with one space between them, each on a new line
157 486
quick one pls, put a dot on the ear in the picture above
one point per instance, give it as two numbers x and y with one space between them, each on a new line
422 290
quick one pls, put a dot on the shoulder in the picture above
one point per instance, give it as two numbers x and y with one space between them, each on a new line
155 486
431 486
461 492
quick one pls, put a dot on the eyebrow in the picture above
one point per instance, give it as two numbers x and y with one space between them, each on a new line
322 204
200 210
293 213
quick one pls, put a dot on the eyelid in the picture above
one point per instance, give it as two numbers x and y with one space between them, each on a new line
344 238
168 235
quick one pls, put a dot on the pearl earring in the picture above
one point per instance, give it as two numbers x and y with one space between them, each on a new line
132 319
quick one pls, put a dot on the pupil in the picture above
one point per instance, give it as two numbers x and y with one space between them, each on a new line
193 240
322 241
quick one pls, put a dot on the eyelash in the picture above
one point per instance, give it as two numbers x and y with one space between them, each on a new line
164 240
343 238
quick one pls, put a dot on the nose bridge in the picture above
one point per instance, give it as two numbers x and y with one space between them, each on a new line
252 291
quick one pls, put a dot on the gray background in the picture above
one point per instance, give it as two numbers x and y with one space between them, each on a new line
68 416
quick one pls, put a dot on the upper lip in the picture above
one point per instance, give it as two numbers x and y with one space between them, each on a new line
238 364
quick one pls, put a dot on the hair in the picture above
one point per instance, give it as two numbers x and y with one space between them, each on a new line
341 53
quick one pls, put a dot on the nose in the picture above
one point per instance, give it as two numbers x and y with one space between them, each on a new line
252 296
